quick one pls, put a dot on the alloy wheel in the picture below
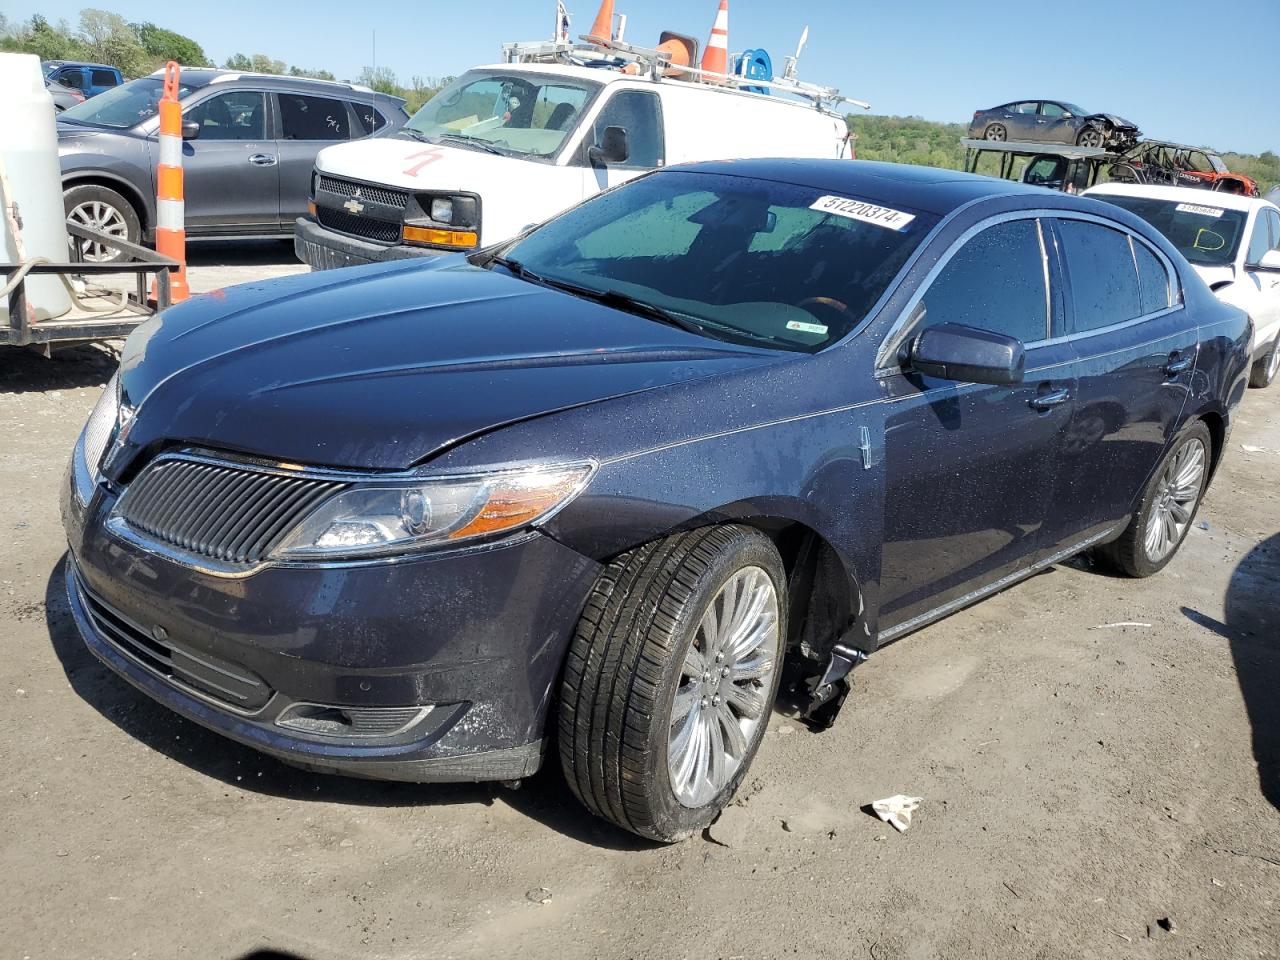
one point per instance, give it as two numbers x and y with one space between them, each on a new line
1176 497
722 697
997 133
103 217
1091 138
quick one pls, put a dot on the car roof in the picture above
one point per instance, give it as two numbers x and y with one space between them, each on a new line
78 63
923 188
1228 201
205 76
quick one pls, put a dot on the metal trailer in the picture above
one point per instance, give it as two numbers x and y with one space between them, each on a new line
1053 165
47 335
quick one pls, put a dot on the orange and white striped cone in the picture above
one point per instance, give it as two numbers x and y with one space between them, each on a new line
171 229
716 57
602 29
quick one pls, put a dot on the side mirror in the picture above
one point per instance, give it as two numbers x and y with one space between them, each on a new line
951 351
613 147
190 130
1270 262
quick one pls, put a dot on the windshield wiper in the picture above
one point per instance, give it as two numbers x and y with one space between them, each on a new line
477 142
415 134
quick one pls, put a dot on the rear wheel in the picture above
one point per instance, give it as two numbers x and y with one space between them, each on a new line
1168 507
1090 137
102 209
996 132
1266 367
671 678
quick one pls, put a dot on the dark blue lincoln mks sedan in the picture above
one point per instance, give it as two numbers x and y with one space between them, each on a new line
611 489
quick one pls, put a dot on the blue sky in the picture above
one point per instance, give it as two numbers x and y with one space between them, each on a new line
1181 69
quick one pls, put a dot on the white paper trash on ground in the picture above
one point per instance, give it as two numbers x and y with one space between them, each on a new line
896 810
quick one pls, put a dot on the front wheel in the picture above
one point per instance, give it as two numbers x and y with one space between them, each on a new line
1267 366
102 209
671 678
1168 507
1090 137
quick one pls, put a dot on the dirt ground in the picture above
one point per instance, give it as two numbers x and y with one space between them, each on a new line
1091 789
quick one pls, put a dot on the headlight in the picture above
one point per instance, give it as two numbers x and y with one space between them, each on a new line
442 210
101 425
376 520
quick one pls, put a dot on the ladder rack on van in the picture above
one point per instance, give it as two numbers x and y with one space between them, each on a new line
655 63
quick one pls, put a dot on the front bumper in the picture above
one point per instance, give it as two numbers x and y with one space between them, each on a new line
325 249
477 636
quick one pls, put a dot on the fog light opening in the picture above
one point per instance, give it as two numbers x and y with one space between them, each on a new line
322 720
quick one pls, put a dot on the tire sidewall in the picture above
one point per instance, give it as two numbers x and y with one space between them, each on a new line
1143 564
986 134
672 820
77 194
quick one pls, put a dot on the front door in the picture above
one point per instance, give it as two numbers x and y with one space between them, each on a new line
230 175
1135 357
1052 125
971 469
638 112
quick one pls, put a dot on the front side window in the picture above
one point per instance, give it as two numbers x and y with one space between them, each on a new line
640 114
1055 111
236 115
71 77
1274 217
742 260
522 114
1102 273
1206 235
995 282
1260 240
305 117
124 106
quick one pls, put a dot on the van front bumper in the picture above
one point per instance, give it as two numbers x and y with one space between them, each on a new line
444 666
325 249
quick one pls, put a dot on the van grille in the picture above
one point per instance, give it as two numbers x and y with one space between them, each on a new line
383 231
229 513
345 188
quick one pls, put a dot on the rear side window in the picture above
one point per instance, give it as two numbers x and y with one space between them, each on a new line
103 78
1153 279
1027 108
640 114
1104 281
312 118
367 119
994 282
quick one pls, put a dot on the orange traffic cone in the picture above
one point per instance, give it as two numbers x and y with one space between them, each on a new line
716 59
602 29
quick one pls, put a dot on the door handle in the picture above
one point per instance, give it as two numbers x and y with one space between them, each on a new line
1175 367
263 160
1047 401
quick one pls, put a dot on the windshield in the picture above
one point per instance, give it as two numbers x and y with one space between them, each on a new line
1077 110
50 69
518 113
124 106
1206 235
734 258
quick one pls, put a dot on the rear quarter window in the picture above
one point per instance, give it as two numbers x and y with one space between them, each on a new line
368 119
1155 286
1101 273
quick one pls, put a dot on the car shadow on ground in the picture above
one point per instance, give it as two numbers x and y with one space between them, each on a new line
88 365
240 253
1252 629
545 797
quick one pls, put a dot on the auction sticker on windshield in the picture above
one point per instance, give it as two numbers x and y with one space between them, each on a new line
1214 212
885 217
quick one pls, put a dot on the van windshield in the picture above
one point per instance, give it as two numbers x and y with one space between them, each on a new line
523 114
1206 235
731 258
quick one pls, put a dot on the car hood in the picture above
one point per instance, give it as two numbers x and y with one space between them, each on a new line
380 367
1113 120
400 162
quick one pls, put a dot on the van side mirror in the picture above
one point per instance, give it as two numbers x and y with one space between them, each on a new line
951 351
612 148
190 130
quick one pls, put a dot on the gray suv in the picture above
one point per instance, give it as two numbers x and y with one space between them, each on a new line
250 143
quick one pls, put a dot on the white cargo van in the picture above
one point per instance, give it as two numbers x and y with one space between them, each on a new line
507 146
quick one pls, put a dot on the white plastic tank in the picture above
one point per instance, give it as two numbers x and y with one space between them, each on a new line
30 177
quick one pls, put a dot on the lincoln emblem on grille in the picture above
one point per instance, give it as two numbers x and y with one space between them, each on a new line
355 206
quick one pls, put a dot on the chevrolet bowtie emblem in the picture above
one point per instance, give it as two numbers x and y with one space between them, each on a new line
355 206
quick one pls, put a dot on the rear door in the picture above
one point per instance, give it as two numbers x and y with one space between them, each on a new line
1022 120
308 123
1264 238
230 174
972 469
1135 354
101 80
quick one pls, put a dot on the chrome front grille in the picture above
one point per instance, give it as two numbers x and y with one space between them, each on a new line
226 512
361 191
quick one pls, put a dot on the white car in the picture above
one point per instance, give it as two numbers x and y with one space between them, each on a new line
1234 244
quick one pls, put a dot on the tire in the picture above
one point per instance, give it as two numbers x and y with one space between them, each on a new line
1091 137
1266 367
639 643
1139 552
101 208
997 132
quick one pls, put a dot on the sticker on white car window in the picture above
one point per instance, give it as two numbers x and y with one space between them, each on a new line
803 327
885 217
1214 212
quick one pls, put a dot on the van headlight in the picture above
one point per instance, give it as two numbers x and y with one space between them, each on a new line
380 519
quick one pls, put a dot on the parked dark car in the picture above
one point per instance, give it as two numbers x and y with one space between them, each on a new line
250 146
729 427
1053 121
63 97
90 79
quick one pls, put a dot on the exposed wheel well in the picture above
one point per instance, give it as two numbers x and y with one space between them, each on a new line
121 187
1218 434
